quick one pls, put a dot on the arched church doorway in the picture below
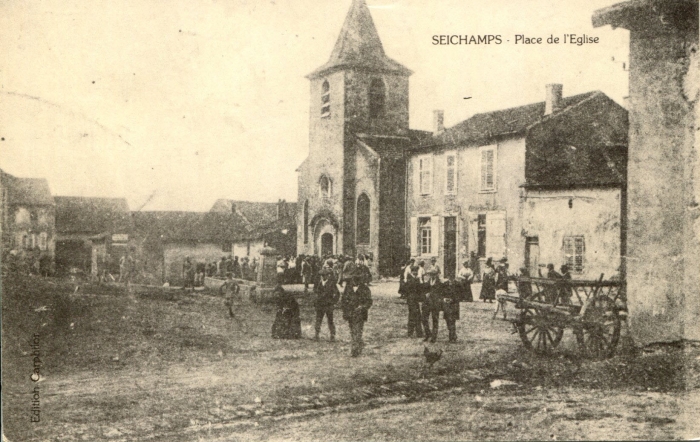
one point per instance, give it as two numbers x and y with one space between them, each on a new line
326 244
324 238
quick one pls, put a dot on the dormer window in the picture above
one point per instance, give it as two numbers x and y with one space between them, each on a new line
325 100
376 98
325 186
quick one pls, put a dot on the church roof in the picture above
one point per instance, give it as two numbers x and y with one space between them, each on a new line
359 47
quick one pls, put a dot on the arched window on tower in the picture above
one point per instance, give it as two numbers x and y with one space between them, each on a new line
325 187
306 222
363 219
325 100
376 98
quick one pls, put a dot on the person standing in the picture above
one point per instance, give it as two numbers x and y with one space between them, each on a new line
348 269
488 282
465 278
306 274
327 296
403 277
435 266
188 271
356 301
421 270
502 275
450 307
413 292
287 323
432 305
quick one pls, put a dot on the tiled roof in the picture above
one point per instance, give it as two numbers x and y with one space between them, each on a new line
641 14
358 46
27 191
482 127
204 227
76 214
256 214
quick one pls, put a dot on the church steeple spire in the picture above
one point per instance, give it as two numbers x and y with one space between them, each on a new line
359 46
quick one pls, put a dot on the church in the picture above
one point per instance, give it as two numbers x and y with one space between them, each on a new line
539 183
352 184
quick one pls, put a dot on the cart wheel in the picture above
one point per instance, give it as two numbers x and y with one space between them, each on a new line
599 332
537 331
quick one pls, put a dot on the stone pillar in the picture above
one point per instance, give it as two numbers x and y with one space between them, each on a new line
267 269
663 253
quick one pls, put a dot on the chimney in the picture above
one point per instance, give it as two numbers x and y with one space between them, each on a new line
552 102
438 122
233 207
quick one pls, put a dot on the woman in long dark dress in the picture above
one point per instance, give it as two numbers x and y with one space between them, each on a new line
488 282
287 323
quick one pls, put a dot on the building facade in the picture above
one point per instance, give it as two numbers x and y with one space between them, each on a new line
27 219
536 184
92 233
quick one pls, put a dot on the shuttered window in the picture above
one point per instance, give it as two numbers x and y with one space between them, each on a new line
425 172
450 173
426 237
488 168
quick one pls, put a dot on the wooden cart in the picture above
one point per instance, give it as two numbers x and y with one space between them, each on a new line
545 307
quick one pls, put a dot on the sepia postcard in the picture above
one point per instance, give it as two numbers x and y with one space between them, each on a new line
233 220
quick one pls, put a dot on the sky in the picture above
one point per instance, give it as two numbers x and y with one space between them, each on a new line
175 104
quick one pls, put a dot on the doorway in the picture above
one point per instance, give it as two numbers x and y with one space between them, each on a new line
450 246
532 255
326 244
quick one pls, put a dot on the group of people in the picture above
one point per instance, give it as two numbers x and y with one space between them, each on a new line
193 273
306 269
355 302
427 295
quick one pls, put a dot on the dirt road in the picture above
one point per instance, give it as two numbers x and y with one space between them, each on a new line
172 366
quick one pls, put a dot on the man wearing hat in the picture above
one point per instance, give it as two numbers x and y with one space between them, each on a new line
414 294
432 305
356 301
327 295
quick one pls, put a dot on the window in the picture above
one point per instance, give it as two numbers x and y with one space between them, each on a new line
43 237
363 218
33 216
305 220
426 237
488 168
574 253
481 246
325 100
325 186
25 241
425 175
376 98
450 173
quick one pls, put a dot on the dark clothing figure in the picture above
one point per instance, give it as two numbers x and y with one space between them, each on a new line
502 278
327 296
488 284
188 273
356 301
450 308
432 308
287 323
414 294
306 274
